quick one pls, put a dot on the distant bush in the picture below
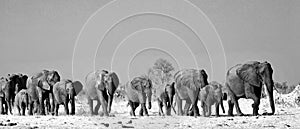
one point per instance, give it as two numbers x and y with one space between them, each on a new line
120 93
283 87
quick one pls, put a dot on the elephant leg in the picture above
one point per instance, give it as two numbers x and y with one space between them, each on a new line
230 108
36 106
101 95
6 108
187 107
97 107
42 106
19 110
179 106
52 103
217 105
1 106
9 105
203 108
193 95
23 109
132 113
47 106
72 102
143 110
160 111
237 107
56 109
90 102
41 101
66 108
208 110
30 108
249 94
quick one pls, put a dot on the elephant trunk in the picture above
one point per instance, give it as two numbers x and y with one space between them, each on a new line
222 106
149 95
72 101
270 85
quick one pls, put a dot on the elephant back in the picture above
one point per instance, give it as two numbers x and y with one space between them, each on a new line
189 78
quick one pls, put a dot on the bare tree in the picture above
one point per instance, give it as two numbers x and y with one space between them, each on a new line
160 73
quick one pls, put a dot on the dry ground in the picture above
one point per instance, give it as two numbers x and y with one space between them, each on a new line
285 117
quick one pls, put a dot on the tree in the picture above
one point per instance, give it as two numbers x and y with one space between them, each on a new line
160 73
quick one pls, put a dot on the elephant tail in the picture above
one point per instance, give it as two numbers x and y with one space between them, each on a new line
194 104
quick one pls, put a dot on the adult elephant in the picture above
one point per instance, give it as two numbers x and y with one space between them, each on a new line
137 91
188 83
39 89
64 93
101 86
245 81
14 83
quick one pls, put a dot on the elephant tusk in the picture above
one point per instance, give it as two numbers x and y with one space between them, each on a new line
173 109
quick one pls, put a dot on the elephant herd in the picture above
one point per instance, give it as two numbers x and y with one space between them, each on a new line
42 93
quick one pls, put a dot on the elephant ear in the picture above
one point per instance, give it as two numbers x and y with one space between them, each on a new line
115 79
44 85
136 84
249 74
77 86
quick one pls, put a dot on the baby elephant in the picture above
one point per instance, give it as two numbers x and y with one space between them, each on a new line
21 101
165 97
64 93
209 95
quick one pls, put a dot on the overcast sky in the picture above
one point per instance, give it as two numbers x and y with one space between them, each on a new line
38 34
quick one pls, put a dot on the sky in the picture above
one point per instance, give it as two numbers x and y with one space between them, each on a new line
40 34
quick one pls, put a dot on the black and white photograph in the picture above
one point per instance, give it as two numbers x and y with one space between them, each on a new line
150 64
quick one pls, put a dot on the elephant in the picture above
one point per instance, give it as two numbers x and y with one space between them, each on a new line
101 85
21 101
188 83
137 91
11 86
210 95
64 93
3 85
165 95
39 88
245 81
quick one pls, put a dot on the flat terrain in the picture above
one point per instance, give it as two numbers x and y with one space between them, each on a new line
285 117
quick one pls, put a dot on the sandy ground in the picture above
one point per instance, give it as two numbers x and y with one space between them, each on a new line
285 117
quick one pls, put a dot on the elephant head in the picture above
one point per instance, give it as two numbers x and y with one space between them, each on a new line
144 87
46 79
71 93
170 91
256 73
52 77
